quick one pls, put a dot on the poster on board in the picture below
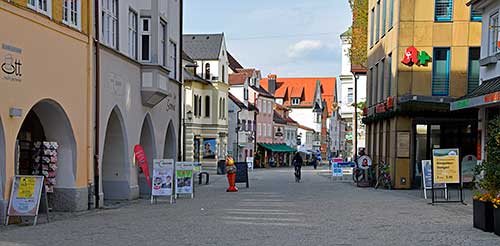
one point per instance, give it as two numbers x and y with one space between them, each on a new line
446 166
250 162
209 145
184 178
163 173
25 196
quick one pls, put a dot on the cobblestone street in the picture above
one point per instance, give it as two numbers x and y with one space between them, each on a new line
273 211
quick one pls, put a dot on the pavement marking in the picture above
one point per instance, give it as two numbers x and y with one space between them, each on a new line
263 200
260 218
256 210
267 224
265 213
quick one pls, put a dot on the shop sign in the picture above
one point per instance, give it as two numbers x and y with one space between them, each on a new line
10 63
493 97
446 166
476 101
413 56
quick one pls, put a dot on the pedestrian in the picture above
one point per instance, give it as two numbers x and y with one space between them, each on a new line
297 165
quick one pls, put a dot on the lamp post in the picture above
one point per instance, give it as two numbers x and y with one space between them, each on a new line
355 130
239 126
189 115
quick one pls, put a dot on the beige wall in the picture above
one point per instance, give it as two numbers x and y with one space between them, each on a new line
55 67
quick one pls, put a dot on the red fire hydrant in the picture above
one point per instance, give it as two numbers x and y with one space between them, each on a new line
231 174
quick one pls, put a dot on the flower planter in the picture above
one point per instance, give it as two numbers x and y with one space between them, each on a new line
496 221
483 215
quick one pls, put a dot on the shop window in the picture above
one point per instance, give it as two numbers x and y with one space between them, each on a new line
441 72
110 23
372 25
41 6
475 15
377 16
146 40
72 13
132 34
493 35
473 73
443 10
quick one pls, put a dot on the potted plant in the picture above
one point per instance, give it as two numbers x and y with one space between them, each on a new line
488 182
496 214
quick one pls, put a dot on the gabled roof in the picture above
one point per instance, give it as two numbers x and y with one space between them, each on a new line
291 121
233 63
237 101
262 92
203 46
237 78
304 88
188 76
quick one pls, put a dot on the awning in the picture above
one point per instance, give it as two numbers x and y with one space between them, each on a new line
487 93
277 147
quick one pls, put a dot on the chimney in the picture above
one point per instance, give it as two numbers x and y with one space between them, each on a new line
272 83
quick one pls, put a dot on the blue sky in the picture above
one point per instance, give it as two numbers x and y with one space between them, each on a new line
288 37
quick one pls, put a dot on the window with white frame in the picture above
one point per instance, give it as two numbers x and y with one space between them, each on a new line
173 59
72 13
493 35
350 95
42 6
146 39
110 23
132 34
295 101
163 44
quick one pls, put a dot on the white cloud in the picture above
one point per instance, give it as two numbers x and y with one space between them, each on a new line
304 47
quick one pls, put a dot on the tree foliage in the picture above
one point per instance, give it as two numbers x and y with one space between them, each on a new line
490 169
359 32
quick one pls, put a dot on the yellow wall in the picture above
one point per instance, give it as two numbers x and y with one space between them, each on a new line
55 67
57 12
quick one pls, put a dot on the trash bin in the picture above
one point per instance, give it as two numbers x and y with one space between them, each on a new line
221 167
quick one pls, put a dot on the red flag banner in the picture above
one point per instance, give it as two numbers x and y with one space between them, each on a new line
140 156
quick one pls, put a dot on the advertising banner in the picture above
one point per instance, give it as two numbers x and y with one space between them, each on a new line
25 196
446 166
468 164
209 148
163 173
140 156
184 177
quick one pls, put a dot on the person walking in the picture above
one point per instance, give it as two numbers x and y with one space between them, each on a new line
297 164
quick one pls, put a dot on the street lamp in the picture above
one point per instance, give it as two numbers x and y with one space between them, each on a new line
355 132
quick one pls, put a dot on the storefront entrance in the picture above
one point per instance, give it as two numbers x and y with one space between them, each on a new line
147 141
435 135
46 146
115 164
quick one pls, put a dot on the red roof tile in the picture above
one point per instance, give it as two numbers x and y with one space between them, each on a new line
237 78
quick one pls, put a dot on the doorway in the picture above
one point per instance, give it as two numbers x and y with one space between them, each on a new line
147 141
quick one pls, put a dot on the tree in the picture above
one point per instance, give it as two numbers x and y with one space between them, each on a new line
358 52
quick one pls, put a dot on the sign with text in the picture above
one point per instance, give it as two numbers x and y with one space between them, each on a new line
184 177
446 166
250 162
403 149
163 173
25 196
10 63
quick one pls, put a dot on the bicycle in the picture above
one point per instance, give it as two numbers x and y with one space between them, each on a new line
297 174
384 176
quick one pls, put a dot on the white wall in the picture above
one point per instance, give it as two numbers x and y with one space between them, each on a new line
304 116
492 70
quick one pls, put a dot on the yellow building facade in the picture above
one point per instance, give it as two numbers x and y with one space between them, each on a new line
46 98
421 55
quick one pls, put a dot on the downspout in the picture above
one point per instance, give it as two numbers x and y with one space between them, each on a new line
238 134
90 171
97 103
181 151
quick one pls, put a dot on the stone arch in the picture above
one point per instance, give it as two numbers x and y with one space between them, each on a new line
148 142
47 121
170 146
115 163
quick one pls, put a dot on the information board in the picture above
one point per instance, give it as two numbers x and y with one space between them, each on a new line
446 166
25 196
250 162
184 178
163 173
242 173
336 168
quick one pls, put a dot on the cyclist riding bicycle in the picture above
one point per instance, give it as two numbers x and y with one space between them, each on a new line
297 164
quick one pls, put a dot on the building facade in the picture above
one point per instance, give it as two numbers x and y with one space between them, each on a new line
206 99
421 56
46 96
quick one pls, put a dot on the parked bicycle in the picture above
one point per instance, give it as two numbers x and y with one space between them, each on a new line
384 176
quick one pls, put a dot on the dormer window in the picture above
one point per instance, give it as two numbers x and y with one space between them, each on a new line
296 101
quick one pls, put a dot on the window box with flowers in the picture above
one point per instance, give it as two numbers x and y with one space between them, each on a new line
487 203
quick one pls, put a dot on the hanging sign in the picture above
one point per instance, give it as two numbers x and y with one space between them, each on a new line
140 156
446 166
184 178
163 173
468 164
25 197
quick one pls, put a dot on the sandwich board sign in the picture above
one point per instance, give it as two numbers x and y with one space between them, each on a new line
427 179
25 197
163 177
184 178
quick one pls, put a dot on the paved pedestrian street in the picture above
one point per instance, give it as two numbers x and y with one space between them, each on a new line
273 211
